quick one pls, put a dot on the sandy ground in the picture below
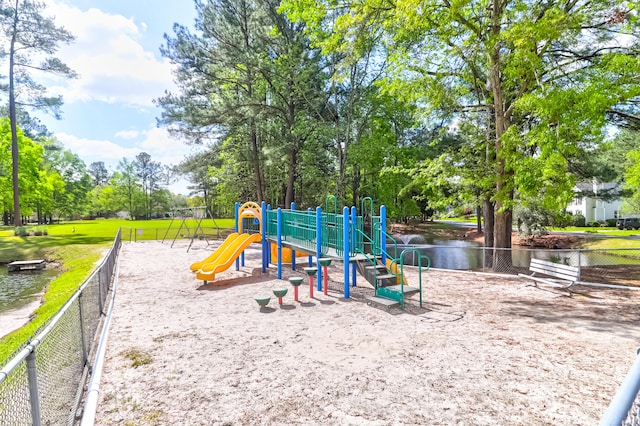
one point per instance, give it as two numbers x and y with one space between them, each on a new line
484 350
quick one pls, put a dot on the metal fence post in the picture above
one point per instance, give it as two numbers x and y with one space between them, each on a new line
484 255
579 263
34 399
85 355
100 292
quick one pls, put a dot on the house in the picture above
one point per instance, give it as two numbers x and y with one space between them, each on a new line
596 201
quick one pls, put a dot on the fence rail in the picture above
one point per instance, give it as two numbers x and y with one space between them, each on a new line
625 407
607 266
43 382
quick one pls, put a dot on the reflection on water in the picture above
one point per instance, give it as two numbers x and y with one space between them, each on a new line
466 255
20 289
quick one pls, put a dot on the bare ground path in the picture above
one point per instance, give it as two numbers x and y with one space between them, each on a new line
485 351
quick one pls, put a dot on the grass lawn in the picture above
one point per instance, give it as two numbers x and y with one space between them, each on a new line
78 247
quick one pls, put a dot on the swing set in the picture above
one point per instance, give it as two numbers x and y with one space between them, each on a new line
189 214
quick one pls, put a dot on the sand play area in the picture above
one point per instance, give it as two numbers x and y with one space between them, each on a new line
484 350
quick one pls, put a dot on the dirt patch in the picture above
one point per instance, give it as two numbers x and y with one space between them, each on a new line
482 350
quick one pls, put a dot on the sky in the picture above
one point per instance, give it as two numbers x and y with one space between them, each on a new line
108 112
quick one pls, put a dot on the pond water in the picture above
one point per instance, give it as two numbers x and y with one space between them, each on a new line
18 289
465 255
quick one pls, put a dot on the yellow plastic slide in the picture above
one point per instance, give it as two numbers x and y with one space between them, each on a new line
213 256
208 271
393 267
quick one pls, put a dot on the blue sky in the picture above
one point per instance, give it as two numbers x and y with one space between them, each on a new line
108 112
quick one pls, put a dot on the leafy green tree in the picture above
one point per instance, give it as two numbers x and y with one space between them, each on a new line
251 84
30 157
31 126
217 75
632 175
29 36
197 168
104 201
151 174
543 74
128 189
73 201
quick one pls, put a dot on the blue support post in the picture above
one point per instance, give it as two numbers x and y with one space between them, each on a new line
354 243
265 243
345 237
269 244
279 243
310 212
383 230
319 245
238 227
293 252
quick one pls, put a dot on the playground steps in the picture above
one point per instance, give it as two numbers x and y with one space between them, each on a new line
395 293
383 302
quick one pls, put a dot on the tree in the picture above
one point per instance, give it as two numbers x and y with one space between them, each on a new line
99 173
29 35
543 74
197 168
632 174
251 84
216 72
31 126
73 200
30 164
151 174
127 187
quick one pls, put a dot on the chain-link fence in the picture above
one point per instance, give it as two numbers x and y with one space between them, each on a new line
42 384
609 266
168 235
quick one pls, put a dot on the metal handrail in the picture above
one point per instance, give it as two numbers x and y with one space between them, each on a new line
420 257
623 401
93 393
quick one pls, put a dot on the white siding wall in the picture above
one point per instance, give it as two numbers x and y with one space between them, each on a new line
595 210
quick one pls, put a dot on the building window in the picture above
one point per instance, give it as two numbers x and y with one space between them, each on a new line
577 201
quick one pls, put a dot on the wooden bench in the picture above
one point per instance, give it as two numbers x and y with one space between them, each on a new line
568 275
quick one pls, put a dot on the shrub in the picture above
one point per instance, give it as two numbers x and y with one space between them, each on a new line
21 231
611 223
578 220
40 230
593 223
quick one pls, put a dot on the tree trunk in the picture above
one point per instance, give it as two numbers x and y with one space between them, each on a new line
14 128
479 218
256 164
289 196
503 215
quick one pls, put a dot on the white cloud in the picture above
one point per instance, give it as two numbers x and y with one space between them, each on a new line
91 150
162 147
156 142
127 134
107 54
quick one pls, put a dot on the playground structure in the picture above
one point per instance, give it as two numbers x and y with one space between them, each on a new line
199 214
360 242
